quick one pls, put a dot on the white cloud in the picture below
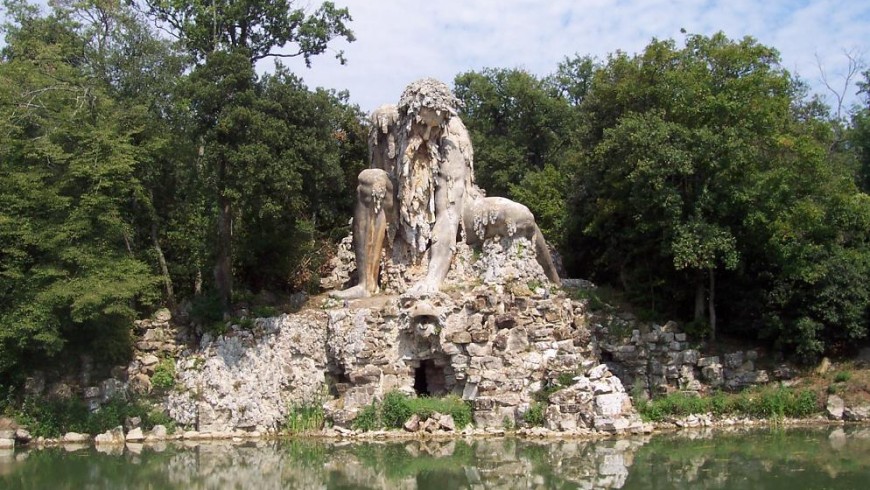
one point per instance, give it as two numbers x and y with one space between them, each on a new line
399 41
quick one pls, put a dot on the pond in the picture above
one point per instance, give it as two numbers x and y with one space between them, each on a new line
788 459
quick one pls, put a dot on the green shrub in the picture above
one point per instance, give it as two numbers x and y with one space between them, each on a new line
566 379
543 395
53 418
395 409
265 311
534 416
451 404
164 374
206 309
842 377
368 419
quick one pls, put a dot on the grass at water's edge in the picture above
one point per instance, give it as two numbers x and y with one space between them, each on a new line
54 418
768 402
397 408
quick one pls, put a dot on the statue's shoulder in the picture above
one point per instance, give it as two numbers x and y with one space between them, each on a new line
458 135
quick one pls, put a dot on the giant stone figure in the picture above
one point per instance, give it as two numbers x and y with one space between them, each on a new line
419 194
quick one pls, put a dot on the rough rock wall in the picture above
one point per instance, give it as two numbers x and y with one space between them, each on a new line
249 379
658 359
496 343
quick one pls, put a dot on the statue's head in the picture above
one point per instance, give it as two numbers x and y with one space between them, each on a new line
428 102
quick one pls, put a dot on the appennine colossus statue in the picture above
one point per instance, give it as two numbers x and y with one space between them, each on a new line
419 194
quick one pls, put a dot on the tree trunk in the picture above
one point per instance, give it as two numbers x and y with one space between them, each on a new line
712 305
164 270
197 282
699 297
223 273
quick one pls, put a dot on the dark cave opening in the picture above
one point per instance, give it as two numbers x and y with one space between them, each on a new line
429 379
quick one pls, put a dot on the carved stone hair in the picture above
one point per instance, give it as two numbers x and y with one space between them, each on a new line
428 92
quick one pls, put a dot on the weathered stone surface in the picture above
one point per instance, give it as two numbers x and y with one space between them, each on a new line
149 360
111 437
140 384
75 437
135 435
243 381
413 423
22 436
158 433
162 315
445 421
92 392
834 407
131 423
857 413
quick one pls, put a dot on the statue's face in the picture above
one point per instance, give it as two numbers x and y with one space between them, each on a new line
430 119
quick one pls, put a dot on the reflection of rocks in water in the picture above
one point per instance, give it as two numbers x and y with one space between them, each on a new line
700 459
798 458
533 464
254 465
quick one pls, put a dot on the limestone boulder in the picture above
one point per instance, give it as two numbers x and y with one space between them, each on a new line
135 435
110 437
22 436
75 437
858 413
835 407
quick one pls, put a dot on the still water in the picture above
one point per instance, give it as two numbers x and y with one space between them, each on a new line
787 459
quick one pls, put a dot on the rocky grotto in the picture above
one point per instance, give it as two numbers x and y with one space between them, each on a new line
440 290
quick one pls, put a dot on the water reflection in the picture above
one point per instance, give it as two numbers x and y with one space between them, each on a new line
760 459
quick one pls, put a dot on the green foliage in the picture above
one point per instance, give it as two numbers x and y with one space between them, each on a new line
368 419
519 125
594 301
766 402
53 418
397 408
566 379
164 374
451 405
305 418
535 415
68 191
705 173
265 311
543 395
842 376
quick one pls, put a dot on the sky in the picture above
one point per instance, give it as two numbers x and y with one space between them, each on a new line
399 41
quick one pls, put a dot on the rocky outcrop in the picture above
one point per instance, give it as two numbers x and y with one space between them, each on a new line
496 345
249 378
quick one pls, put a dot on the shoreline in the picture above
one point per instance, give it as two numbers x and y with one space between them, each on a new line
675 426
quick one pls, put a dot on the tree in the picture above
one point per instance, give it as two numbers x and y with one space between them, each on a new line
521 130
227 39
859 136
69 270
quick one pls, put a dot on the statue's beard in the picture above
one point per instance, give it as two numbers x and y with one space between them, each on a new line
420 162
